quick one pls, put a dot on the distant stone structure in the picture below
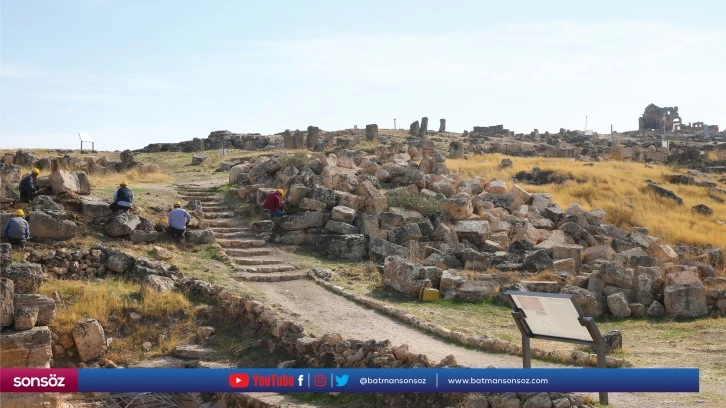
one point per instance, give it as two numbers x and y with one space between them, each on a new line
287 140
413 129
298 140
653 118
457 150
442 125
496 130
215 140
313 137
198 144
372 133
424 127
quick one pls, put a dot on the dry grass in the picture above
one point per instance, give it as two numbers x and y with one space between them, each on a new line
139 176
619 189
547 275
166 319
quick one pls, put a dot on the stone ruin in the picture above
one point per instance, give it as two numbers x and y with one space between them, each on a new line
483 131
653 119
653 115
216 140
457 150
442 226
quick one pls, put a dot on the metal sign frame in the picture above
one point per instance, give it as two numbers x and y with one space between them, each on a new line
86 138
520 318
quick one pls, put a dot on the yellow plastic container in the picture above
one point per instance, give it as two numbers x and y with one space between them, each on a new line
430 295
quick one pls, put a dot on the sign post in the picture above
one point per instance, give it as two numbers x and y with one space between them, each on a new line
554 317
86 138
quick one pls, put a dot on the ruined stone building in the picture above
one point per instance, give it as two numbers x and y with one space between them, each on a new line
496 130
653 118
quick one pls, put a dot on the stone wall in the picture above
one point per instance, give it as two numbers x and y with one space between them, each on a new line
216 140
332 350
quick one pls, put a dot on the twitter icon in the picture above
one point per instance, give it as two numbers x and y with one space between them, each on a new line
341 381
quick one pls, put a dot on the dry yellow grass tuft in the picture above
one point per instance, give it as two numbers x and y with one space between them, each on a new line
148 174
618 188
109 302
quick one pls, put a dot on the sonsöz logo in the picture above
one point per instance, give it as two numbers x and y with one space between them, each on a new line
38 380
49 381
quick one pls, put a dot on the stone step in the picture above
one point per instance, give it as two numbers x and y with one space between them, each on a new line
217 215
267 268
256 261
186 191
234 235
203 199
197 193
214 208
270 277
196 187
241 243
247 252
231 223
225 230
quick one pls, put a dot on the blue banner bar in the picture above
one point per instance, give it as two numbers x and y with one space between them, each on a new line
390 380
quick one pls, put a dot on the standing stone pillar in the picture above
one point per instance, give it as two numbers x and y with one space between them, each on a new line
299 140
536 133
456 150
372 133
442 125
287 140
424 126
413 129
198 144
313 137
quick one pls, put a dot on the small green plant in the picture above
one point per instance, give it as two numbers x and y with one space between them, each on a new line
298 160
415 201
210 252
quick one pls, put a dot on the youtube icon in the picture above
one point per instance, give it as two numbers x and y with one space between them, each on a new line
239 380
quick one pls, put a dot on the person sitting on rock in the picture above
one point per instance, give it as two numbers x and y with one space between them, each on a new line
17 230
178 221
28 190
273 204
122 198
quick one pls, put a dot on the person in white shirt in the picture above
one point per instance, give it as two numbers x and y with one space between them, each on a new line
178 221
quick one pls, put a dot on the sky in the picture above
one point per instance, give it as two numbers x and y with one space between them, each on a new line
131 72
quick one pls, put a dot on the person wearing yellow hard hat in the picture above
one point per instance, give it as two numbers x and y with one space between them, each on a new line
28 189
122 198
273 203
17 230
178 220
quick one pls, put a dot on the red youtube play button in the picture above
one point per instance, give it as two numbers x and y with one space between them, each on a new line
239 380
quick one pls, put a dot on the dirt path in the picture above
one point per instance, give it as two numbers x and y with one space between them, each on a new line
325 312
321 311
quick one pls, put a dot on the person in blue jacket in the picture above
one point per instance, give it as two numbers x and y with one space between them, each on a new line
122 198
178 221
17 230
28 190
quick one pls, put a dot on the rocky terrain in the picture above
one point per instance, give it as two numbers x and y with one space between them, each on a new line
388 199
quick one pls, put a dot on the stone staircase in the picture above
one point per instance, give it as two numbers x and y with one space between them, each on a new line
255 260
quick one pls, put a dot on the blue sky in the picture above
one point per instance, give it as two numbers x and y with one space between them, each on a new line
136 72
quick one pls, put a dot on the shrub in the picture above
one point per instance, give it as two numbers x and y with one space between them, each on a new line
298 159
416 201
